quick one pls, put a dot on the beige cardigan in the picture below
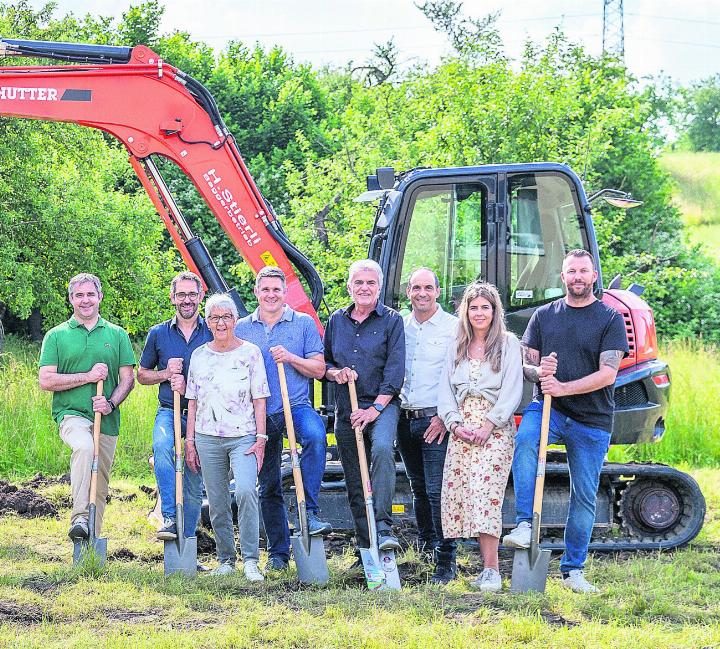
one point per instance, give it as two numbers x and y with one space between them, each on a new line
503 389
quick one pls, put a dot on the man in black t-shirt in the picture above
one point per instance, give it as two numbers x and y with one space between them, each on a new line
572 351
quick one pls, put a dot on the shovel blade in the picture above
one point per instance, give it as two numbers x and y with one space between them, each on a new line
83 548
180 556
310 561
380 568
529 575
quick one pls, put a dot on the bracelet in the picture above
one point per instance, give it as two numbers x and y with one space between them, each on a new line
190 439
112 405
262 436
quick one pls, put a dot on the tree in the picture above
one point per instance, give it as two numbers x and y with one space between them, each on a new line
702 108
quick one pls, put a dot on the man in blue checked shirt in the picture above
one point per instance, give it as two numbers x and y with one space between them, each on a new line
165 360
289 337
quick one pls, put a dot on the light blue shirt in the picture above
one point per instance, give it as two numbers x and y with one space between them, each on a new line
426 345
297 333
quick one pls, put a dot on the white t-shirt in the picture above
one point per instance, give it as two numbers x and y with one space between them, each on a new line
224 385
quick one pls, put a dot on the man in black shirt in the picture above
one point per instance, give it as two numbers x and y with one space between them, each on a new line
572 351
365 343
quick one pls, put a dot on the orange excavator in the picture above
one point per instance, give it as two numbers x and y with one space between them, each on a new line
510 224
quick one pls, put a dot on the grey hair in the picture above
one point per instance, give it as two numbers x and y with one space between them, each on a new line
364 264
81 278
220 300
186 275
270 271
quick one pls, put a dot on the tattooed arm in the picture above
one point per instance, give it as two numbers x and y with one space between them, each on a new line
609 364
534 367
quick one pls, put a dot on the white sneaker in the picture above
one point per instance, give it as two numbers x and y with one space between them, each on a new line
489 581
251 570
519 537
222 570
576 581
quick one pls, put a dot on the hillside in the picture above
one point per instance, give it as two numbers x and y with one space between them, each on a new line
697 194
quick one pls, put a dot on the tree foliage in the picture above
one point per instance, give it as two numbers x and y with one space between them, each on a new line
310 137
702 112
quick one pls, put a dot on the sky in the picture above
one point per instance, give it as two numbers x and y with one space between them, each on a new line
680 38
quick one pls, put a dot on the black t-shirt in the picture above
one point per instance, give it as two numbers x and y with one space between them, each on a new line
578 335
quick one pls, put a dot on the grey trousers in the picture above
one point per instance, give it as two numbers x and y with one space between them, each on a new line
217 456
380 450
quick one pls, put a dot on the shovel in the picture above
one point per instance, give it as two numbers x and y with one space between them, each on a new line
309 551
380 568
181 554
530 567
82 548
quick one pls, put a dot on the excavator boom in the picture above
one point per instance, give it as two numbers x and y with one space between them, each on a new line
154 109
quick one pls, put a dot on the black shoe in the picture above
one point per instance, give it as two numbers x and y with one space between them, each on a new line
316 527
276 564
443 574
79 531
387 541
168 532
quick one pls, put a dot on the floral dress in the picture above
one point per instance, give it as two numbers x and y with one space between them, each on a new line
475 477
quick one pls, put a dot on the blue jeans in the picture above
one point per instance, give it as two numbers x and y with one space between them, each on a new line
311 435
586 448
164 458
379 447
424 465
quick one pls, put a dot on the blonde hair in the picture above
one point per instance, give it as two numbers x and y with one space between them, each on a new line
495 339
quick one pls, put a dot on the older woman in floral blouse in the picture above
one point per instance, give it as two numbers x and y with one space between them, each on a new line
226 392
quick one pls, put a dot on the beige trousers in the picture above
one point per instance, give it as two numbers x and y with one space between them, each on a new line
77 433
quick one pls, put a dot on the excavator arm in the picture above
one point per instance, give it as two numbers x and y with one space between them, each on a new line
154 109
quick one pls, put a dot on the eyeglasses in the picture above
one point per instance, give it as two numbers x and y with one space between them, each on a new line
226 318
192 295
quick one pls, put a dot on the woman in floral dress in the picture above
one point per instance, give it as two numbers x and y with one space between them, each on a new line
480 389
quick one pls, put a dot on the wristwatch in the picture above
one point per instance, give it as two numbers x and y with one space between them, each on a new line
112 405
378 406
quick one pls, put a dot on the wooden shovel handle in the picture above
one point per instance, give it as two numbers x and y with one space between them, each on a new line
542 456
177 424
96 447
360 442
290 427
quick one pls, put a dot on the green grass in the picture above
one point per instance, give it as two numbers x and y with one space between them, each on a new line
29 440
660 599
697 194
697 179
692 434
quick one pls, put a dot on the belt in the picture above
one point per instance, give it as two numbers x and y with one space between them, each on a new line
419 413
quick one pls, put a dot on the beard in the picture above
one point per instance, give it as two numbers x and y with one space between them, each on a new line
580 291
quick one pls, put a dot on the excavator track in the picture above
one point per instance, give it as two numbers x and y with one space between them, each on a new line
639 506
653 507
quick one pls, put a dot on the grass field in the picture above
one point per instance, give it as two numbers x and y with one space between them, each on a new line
659 599
697 194
652 600
29 441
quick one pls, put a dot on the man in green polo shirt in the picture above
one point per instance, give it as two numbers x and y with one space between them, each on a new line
75 356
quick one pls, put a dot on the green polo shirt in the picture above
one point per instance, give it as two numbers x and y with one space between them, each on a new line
74 349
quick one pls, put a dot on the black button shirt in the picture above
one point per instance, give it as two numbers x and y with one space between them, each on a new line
374 348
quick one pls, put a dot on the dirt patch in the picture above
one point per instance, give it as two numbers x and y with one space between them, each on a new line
150 491
205 542
25 502
21 614
133 617
40 480
557 620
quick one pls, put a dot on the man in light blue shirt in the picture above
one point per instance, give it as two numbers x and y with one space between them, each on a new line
422 437
288 337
